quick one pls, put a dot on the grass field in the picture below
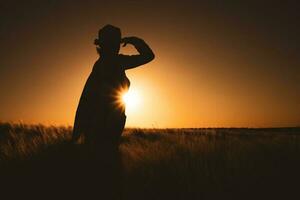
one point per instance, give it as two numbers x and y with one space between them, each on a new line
213 163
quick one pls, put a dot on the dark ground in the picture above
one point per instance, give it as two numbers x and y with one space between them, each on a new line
39 162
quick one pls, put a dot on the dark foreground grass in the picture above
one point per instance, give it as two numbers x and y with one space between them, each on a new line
154 164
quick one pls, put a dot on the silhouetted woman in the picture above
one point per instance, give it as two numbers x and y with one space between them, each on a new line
100 117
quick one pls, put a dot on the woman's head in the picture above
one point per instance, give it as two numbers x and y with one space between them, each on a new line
109 38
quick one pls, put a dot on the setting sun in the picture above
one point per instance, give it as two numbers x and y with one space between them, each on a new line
131 99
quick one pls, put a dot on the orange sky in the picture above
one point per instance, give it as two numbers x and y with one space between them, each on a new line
215 66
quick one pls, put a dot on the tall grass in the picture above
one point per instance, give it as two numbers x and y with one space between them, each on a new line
20 141
182 163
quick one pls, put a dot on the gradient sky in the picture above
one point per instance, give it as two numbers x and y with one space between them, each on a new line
217 63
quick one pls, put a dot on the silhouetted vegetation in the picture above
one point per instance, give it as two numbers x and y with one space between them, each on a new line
156 163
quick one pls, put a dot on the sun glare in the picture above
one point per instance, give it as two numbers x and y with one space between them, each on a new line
131 99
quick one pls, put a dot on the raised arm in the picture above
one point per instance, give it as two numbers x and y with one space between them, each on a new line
145 53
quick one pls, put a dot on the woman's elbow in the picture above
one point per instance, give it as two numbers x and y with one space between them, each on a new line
151 57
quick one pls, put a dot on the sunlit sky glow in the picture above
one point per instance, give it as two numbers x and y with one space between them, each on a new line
217 64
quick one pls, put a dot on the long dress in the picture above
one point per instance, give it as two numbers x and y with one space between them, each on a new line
100 118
